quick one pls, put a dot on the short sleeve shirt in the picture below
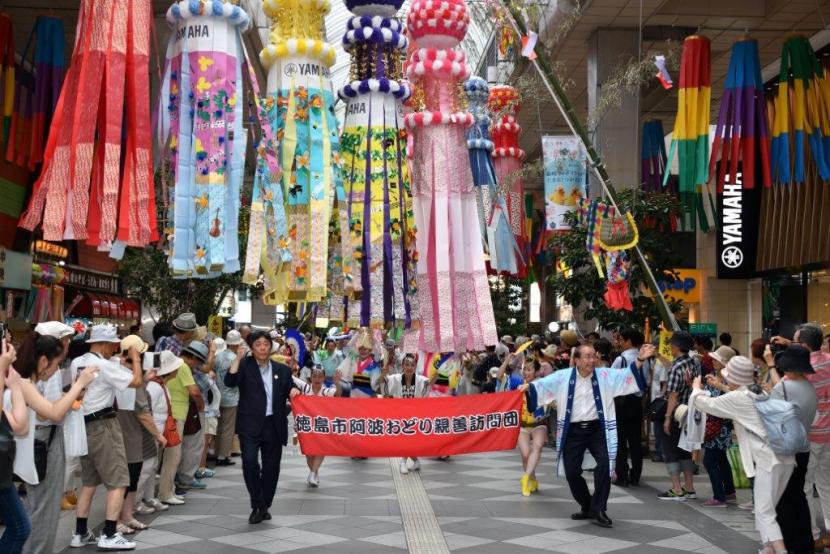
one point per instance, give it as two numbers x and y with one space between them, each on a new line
683 371
100 394
177 388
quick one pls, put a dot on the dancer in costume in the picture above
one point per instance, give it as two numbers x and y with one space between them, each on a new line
454 295
405 385
94 185
507 160
316 387
586 420
300 107
375 172
202 132
360 370
496 235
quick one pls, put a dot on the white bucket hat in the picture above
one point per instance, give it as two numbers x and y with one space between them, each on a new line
54 329
103 333
168 363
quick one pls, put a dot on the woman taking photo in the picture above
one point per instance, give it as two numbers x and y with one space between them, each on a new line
14 421
37 361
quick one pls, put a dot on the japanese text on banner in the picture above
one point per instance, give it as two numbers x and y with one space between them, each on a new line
407 427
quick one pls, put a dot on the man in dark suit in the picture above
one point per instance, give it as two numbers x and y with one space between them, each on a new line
264 388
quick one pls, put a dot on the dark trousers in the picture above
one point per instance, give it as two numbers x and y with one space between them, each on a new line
591 437
16 520
793 512
720 473
261 482
629 433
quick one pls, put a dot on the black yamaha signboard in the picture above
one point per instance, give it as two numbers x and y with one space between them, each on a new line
738 211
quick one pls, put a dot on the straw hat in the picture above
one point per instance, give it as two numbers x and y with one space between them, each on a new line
133 341
233 338
723 354
186 322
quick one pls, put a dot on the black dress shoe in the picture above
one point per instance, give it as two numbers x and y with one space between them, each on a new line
582 515
225 462
621 482
257 515
602 520
634 482
266 515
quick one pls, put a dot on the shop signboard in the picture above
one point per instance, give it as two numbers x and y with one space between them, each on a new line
683 285
92 281
737 243
704 329
566 174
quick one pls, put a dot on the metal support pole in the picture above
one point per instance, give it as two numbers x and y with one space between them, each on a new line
561 99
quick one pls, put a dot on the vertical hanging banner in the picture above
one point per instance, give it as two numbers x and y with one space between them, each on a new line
737 213
385 427
565 178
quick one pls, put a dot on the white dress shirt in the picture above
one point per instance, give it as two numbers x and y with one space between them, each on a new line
584 408
268 382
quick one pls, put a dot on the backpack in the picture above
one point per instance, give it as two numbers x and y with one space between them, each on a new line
786 434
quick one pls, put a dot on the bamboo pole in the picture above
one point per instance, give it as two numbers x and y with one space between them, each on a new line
572 119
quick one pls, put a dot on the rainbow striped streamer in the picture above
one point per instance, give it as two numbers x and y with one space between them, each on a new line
690 137
742 122
802 114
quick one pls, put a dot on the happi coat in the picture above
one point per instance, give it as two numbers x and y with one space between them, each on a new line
607 384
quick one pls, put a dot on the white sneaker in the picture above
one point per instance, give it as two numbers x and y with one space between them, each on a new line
314 479
404 469
115 542
174 501
312 482
79 541
157 504
414 465
143 509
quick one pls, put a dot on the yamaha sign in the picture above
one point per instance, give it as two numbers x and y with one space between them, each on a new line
738 210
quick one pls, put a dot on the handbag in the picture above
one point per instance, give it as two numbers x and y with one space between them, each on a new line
713 428
192 425
42 453
657 409
171 431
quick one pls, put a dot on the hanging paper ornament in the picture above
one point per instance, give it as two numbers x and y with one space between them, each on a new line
200 129
36 93
662 73
97 179
741 132
497 237
653 155
376 178
690 136
802 114
617 295
301 111
507 160
454 294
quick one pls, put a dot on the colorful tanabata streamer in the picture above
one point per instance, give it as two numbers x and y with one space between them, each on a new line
742 123
507 159
802 114
376 177
94 183
36 93
653 155
200 127
454 294
691 130
300 108
496 234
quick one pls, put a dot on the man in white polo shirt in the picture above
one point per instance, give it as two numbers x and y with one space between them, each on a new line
106 461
